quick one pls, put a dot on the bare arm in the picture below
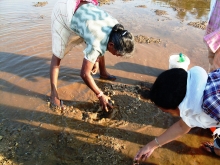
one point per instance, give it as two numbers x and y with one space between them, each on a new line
176 130
88 79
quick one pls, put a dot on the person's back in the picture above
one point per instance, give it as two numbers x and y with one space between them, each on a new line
94 25
176 88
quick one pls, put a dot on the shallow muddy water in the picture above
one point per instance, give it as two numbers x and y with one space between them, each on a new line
31 133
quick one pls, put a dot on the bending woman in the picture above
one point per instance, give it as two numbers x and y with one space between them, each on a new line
99 30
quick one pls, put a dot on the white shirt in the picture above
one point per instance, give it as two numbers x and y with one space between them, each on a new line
190 108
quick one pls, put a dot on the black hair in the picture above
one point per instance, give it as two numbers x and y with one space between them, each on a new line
169 89
123 40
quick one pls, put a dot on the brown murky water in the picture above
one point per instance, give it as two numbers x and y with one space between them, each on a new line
31 133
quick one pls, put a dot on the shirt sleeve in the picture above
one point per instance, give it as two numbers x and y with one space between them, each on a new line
91 54
199 120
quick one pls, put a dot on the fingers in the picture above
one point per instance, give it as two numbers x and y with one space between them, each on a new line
144 157
106 108
137 158
143 154
135 162
95 68
109 104
207 143
104 102
94 71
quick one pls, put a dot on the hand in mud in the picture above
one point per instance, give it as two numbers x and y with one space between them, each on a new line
135 162
105 102
143 153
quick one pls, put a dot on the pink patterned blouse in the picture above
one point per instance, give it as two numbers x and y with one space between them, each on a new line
212 37
95 2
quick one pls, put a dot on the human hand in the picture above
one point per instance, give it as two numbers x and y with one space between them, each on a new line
95 68
105 102
143 154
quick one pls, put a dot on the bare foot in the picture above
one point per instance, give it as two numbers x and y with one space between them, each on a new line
209 147
55 101
57 104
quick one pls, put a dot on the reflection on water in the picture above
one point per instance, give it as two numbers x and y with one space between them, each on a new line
184 8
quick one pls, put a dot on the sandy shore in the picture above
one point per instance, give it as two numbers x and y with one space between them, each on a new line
32 133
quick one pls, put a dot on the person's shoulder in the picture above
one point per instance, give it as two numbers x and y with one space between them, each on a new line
198 71
199 74
197 68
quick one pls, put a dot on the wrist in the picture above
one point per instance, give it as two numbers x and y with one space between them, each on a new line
157 142
100 94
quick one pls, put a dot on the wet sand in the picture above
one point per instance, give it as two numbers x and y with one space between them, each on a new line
32 133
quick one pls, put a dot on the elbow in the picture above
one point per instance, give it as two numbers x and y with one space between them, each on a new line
184 127
186 130
84 76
